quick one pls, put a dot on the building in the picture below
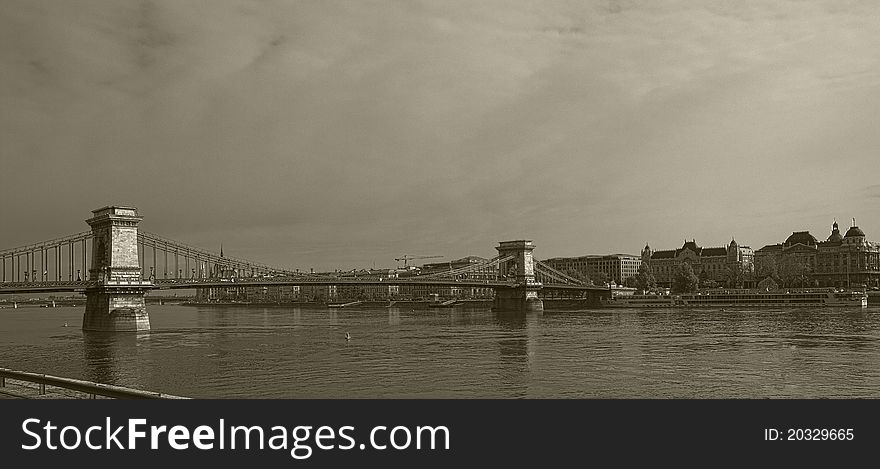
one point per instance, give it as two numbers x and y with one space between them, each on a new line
614 268
732 265
839 261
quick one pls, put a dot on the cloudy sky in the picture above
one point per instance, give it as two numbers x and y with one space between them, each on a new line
339 134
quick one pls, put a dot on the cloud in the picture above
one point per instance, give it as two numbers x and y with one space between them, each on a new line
389 126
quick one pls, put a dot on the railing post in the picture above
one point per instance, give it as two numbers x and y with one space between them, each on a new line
42 388
2 381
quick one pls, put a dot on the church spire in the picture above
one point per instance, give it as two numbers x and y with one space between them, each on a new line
221 249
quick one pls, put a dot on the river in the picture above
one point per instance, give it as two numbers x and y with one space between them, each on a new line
247 352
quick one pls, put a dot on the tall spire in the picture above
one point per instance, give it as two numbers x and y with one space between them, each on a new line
221 249
854 222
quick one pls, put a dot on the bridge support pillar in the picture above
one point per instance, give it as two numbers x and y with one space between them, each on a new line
523 296
115 310
517 300
115 301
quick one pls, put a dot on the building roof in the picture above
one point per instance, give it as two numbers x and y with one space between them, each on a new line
699 251
801 237
854 231
667 254
571 259
831 242
714 252
835 237
692 245
835 233
770 248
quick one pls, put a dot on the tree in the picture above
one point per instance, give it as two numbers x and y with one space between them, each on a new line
768 268
793 271
578 275
684 280
645 278
601 278
735 276
704 278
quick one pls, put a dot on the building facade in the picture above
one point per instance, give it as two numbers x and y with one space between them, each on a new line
733 265
847 260
615 268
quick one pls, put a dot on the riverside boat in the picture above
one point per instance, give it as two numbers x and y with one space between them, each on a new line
747 298
657 300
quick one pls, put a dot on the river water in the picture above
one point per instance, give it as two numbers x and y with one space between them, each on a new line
247 352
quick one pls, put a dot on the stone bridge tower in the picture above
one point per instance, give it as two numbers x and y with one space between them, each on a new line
523 296
115 297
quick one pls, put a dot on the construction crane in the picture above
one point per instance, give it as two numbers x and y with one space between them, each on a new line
406 258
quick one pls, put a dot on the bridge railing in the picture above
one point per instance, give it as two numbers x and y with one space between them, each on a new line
43 244
50 283
89 388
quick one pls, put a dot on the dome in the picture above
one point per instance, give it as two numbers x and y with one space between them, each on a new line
801 237
853 232
835 233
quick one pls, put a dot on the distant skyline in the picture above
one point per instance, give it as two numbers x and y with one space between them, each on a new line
342 134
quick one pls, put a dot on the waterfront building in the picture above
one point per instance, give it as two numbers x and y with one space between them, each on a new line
614 268
722 265
839 261
368 292
464 291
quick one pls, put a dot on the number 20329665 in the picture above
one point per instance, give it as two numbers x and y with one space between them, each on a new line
808 434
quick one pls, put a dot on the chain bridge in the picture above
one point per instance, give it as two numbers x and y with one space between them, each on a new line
115 265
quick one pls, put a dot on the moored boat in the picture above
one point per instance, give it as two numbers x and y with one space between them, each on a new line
658 300
747 298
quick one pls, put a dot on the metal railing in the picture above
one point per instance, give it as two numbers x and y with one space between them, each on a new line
89 388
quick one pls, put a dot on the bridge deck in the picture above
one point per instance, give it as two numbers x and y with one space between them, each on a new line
176 284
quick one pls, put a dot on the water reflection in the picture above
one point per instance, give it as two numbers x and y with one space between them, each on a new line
393 316
463 317
517 344
109 356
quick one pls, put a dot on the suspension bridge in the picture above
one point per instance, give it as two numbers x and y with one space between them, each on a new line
115 265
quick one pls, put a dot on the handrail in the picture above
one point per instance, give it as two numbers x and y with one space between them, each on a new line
88 387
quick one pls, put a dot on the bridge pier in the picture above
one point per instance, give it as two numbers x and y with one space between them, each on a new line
115 310
523 296
115 301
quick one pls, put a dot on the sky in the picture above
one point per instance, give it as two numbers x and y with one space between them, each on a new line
336 134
